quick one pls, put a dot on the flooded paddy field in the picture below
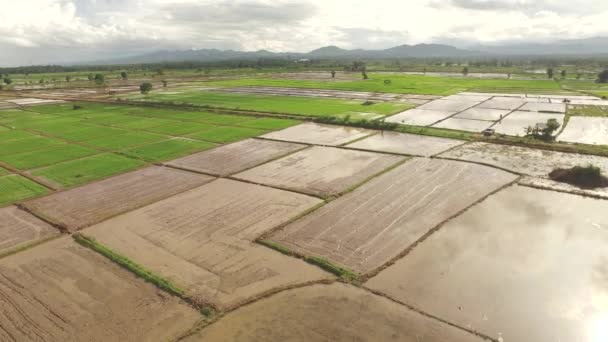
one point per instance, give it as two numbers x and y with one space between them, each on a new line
60 291
316 134
516 123
523 160
321 171
202 239
403 143
420 117
337 312
586 130
19 229
376 222
92 203
523 265
464 124
236 157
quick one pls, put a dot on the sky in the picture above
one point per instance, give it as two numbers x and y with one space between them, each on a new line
66 31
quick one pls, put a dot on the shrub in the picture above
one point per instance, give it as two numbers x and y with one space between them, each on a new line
586 177
145 87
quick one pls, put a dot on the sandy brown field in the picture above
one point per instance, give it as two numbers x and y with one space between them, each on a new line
202 240
19 228
521 159
404 143
322 171
524 265
233 158
333 313
373 224
80 207
60 291
312 133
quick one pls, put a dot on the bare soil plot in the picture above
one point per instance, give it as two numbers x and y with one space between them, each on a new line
516 122
229 159
322 171
545 107
464 124
19 228
404 143
586 130
505 103
32 101
375 223
95 202
523 160
488 114
337 312
524 265
549 184
311 133
419 117
60 291
202 240
449 105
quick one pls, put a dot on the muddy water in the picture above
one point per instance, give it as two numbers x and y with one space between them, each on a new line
420 117
586 130
405 143
464 124
333 313
311 133
524 265
483 114
450 105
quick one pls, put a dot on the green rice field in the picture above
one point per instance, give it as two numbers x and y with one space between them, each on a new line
64 147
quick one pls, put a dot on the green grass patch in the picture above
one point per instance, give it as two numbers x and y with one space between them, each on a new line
180 128
226 134
12 134
53 155
17 188
86 132
125 140
87 169
269 123
130 265
143 123
580 110
114 119
3 171
168 149
27 144
226 120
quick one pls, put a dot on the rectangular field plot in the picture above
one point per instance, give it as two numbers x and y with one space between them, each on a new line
180 128
27 144
125 140
545 107
226 134
464 124
269 123
236 157
375 223
311 133
168 149
504 267
449 105
40 158
523 160
404 143
586 130
87 169
202 240
19 229
487 114
321 171
16 188
60 291
504 103
92 203
419 117
516 122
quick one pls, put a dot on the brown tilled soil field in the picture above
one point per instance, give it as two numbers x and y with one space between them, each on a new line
403 143
18 229
376 222
202 240
336 313
520 266
322 171
60 291
316 134
95 202
229 159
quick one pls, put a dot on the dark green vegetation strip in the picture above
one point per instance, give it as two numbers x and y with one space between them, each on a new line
129 265
579 110
341 272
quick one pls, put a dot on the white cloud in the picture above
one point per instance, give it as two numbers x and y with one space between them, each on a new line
38 31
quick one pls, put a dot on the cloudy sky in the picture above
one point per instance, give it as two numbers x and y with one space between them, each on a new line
63 31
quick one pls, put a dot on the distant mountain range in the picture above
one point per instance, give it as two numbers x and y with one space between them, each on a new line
578 47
